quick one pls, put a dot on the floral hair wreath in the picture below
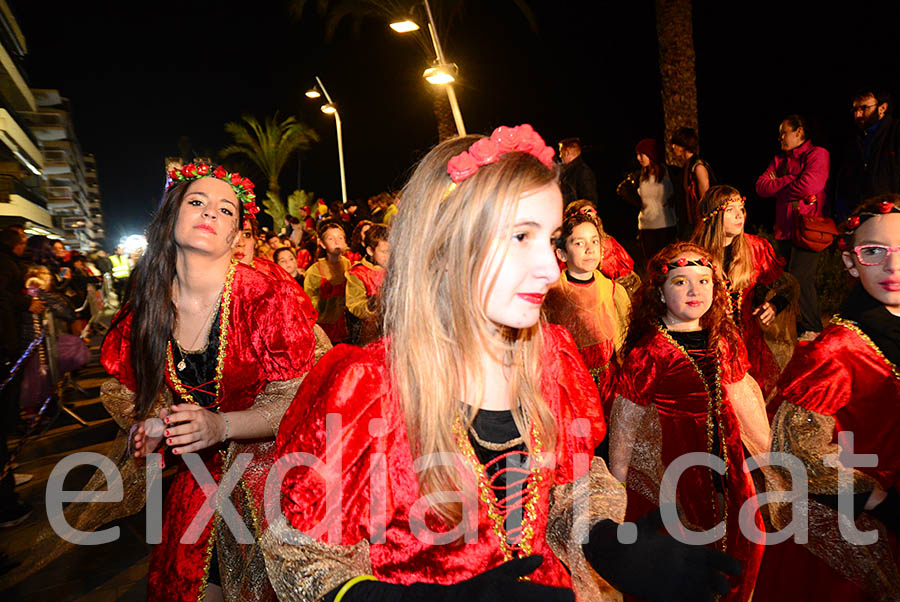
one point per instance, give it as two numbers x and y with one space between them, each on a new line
682 262
855 221
521 138
721 207
243 187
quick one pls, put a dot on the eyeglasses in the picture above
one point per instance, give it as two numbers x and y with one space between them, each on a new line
863 108
874 254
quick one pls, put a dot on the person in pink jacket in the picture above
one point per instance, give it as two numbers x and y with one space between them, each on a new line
796 177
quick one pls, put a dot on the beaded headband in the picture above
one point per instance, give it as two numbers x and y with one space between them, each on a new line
243 187
721 207
855 221
683 262
521 138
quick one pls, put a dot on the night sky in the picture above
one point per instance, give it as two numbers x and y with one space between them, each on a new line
143 75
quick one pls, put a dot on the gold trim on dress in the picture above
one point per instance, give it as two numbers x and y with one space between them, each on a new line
853 327
714 406
530 494
225 312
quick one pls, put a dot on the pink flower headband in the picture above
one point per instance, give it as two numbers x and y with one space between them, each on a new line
243 187
485 151
681 262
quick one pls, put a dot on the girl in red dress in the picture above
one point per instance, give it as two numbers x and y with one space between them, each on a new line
847 380
205 344
750 268
443 491
684 387
593 308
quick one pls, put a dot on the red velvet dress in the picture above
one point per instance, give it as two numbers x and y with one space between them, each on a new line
658 371
843 375
273 270
616 260
263 338
767 268
377 473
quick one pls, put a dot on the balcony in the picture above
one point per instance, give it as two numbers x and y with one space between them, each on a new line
19 200
20 141
13 86
56 163
49 125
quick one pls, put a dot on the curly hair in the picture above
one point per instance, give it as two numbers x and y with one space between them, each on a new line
648 309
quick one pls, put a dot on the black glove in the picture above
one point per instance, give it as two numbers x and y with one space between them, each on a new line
888 511
657 567
499 584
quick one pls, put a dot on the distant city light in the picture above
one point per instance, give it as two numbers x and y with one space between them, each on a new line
133 243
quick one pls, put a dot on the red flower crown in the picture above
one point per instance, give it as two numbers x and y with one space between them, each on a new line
854 221
521 138
243 187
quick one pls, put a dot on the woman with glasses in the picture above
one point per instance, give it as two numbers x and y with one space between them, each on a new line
846 383
796 178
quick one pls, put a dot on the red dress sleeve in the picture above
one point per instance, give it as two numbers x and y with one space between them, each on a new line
282 339
768 266
345 389
565 379
115 354
640 373
616 260
276 272
735 362
817 377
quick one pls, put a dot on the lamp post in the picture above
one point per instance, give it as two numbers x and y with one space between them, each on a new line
329 108
442 73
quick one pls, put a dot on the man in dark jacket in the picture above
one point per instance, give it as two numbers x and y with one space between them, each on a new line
872 164
577 180
13 302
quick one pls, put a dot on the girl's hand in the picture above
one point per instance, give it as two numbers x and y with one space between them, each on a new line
190 428
765 313
144 445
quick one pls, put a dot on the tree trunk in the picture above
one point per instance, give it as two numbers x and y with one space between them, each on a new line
675 33
442 113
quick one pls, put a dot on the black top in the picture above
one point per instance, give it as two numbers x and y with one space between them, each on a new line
200 368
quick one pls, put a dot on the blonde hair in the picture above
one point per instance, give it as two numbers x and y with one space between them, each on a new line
38 276
710 234
441 240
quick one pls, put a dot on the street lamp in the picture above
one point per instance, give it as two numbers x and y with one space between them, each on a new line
442 72
330 108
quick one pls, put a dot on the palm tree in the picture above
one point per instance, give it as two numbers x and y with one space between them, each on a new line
445 13
677 66
269 146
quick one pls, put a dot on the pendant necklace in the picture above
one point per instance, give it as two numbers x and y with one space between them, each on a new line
181 365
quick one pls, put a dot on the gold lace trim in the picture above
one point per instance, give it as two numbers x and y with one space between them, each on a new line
853 327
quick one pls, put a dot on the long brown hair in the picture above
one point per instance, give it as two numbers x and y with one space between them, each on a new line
149 300
711 236
435 318
648 308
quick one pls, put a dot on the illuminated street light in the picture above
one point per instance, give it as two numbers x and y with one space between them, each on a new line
331 109
440 74
404 26
432 75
